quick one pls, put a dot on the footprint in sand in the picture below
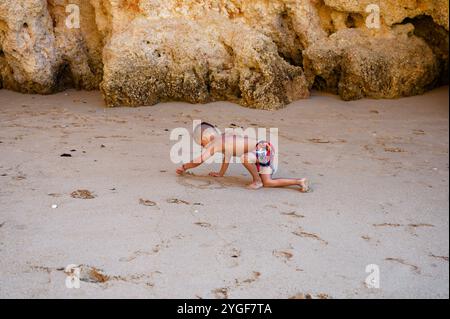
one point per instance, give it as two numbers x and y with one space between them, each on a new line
19 177
203 224
93 275
221 293
283 254
146 202
177 201
82 194
254 277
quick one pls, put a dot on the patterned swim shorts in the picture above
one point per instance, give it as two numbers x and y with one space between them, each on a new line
265 154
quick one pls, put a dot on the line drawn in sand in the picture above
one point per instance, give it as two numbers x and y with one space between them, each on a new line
301 233
293 214
444 258
411 228
414 268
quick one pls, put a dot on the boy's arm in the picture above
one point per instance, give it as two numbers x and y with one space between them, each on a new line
223 169
209 152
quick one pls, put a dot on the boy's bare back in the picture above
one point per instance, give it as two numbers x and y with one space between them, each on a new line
232 145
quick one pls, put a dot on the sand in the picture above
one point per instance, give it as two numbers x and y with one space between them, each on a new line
379 169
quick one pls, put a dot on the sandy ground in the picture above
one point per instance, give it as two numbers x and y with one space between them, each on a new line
381 192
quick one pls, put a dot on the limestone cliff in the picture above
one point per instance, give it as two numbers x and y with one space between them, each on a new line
259 53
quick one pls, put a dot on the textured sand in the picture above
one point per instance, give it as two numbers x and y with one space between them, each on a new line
381 197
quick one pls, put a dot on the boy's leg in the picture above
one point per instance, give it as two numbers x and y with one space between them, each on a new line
249 160
268 181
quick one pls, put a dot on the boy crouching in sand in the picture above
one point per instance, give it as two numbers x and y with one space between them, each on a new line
257 157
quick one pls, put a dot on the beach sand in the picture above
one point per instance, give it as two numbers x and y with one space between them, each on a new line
379 170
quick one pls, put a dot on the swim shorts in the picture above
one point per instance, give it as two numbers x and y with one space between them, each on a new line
265 154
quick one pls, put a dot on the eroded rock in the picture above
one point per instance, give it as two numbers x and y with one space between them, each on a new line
198 61
394 12
39 53
28 55
140 52
355 64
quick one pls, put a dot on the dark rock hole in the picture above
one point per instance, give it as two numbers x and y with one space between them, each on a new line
437 38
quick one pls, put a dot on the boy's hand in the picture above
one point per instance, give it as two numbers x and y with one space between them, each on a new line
214 174
181 170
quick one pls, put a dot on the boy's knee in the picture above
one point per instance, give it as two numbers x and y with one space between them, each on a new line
268 182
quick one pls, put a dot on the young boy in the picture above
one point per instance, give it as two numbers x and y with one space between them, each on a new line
257 157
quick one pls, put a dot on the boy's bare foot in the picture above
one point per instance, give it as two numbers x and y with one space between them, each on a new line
214 174
304 185
255 185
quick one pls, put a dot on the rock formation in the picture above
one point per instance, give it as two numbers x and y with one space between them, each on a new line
354 65
261 54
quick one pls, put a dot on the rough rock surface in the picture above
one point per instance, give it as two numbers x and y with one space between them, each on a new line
436 37
39 54
28 53
395 11
140 52
354 64
192 62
